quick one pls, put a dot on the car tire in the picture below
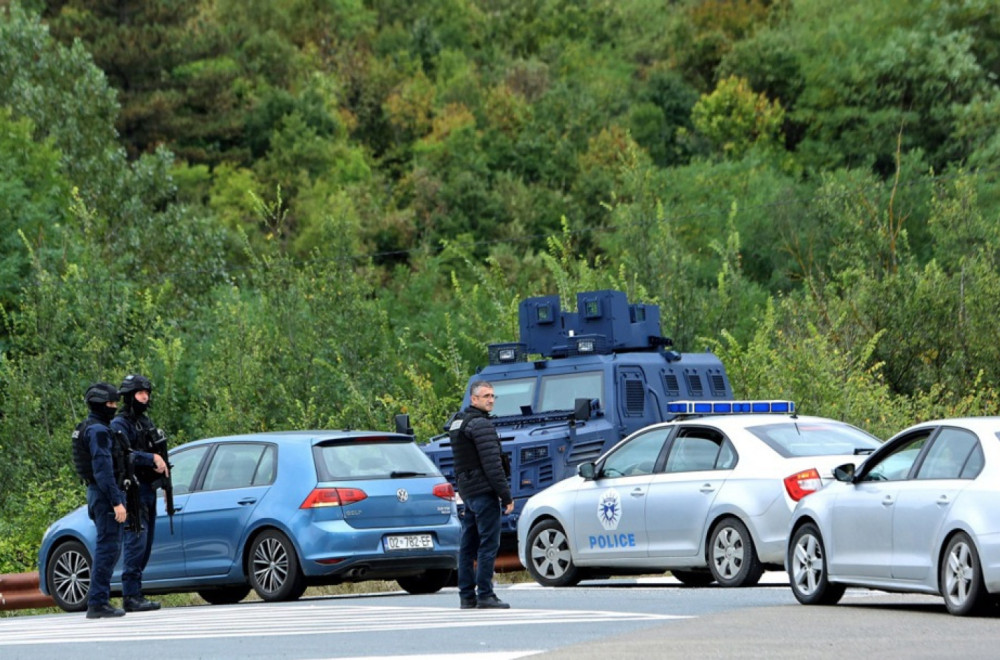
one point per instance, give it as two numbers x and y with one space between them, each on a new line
732 557
273 568
550 561
224 595
694 578
807 569
68 576
961 578
428 582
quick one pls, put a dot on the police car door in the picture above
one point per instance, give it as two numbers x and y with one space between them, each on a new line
681 496
609 517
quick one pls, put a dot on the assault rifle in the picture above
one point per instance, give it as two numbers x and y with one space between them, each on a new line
166 481
130 485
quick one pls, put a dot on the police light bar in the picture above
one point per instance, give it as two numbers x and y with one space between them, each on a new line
729 407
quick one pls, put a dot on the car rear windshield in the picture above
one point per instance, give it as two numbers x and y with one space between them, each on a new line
371 458
815 438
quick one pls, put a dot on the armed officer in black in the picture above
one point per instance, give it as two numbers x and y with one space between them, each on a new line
99 456
484 486
140 432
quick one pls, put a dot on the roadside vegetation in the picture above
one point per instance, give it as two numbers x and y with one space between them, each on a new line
318 213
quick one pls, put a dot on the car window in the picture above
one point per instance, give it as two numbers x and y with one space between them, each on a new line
512 394
637 456
184 468
380 458
233 465
898 464
561 392
817 438
948 454
974 465
697 449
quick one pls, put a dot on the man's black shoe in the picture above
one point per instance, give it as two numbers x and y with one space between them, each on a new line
139 604
468 604
103 611
491 602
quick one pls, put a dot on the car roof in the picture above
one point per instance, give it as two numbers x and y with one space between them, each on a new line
984 423
306 437
751 419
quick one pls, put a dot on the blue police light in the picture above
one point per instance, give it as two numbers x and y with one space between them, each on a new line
729 407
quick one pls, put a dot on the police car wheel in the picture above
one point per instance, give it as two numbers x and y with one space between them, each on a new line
273 568
732 557
68 576
550 561
224 595
428 582
807 569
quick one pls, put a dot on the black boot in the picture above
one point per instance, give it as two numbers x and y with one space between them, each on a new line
104 611
139 604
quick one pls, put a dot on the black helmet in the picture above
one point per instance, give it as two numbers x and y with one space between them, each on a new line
101 393
135 383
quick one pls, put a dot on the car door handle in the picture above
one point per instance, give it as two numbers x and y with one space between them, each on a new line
707 488
247 500
638 492
888 500
177 509
943 500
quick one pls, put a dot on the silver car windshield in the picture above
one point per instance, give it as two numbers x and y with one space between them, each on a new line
793 438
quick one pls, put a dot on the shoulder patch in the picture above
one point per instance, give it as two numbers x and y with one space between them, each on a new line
456 425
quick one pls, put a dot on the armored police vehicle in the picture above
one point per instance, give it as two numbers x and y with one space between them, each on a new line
594 376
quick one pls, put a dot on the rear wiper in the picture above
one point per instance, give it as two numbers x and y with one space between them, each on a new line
406 473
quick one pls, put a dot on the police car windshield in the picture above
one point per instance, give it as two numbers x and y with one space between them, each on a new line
814 438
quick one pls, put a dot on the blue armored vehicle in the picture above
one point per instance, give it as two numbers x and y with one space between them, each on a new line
578 382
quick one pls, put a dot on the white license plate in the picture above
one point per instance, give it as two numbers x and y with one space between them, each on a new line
409 542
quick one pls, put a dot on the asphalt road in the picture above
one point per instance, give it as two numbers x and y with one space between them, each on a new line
601 620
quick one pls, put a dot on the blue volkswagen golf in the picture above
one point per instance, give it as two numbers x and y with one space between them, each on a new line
277 512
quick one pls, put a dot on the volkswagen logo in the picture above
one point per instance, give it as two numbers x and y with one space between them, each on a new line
402 495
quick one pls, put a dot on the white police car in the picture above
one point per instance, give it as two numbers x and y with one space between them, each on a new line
707 496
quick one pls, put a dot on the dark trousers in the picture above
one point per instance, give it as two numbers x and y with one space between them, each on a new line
109 541
477 551
138 544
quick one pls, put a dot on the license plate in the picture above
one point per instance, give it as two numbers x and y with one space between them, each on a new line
409 542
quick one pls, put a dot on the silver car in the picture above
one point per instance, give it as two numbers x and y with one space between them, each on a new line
706 496
919 515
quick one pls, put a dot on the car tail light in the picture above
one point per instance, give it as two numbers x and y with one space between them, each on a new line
321 497
445 491
802 483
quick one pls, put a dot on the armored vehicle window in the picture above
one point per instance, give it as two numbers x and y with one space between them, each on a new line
512 394
560 392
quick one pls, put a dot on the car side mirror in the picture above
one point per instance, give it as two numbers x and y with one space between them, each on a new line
844 472
586 470
581 410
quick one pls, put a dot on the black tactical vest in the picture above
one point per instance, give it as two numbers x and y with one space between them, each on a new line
81 453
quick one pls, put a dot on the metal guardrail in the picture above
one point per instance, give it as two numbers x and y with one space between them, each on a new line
19 591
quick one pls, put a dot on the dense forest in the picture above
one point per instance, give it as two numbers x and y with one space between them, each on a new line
318 213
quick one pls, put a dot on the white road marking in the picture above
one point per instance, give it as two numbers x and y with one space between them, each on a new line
270 620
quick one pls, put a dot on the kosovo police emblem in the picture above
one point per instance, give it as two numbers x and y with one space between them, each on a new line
609 509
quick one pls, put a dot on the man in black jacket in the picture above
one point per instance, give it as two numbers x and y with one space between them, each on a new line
485 488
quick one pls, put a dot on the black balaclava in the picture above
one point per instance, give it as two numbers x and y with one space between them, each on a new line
133 405
102 411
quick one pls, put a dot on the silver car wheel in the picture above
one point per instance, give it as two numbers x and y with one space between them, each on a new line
70 577
960 574
807 564
270 564
550 554
728 552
